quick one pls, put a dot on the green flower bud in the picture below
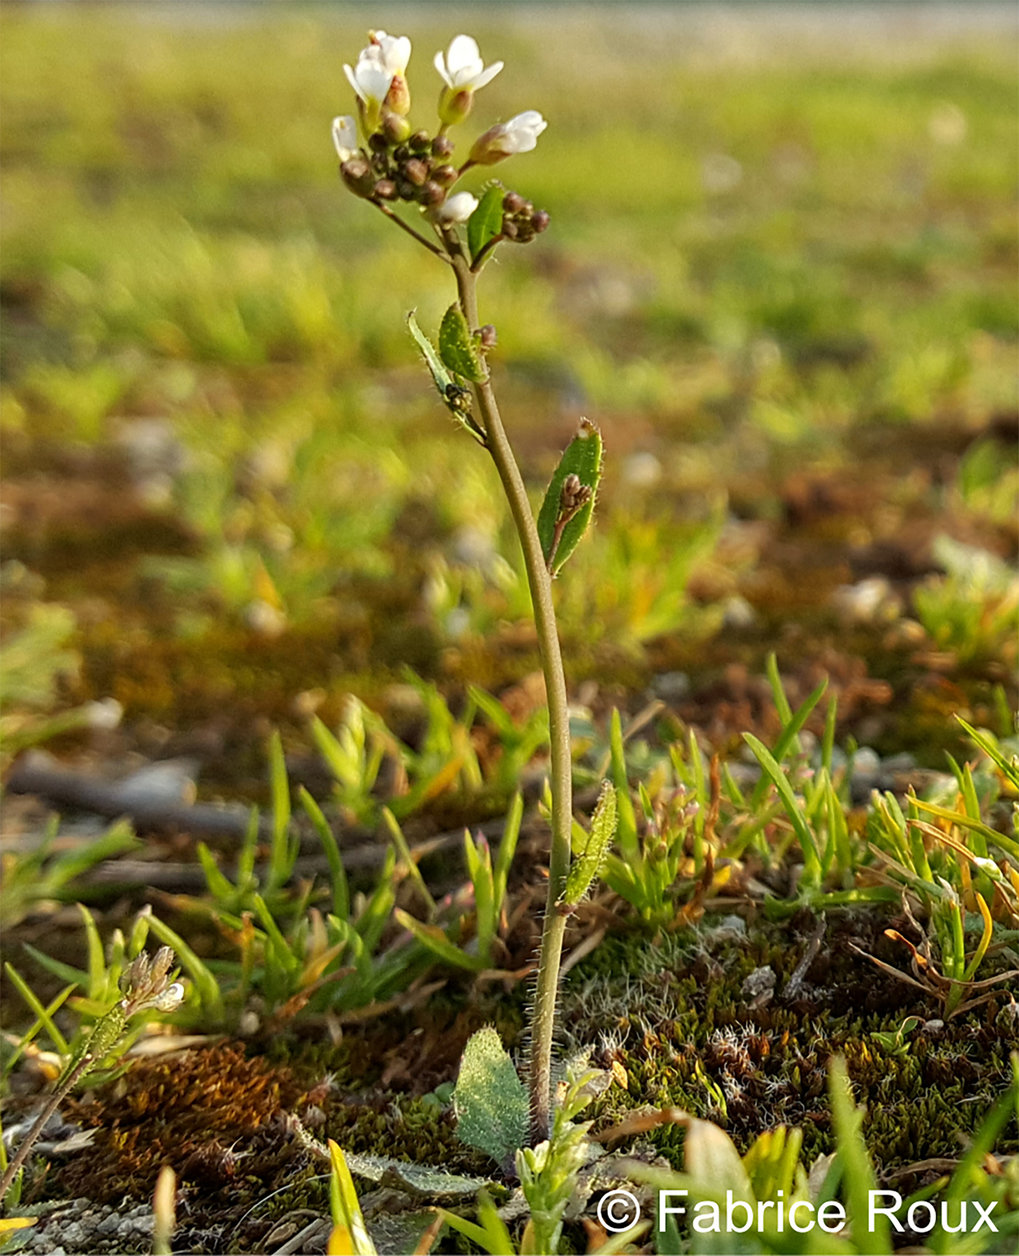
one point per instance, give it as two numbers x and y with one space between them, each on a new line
394 127
398 97
455 104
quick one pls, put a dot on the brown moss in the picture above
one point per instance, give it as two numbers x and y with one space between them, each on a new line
188 1110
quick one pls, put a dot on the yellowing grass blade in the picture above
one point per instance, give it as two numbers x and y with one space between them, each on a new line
350 1235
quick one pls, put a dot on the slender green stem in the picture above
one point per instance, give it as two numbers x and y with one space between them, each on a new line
28 1142
432 248
561 764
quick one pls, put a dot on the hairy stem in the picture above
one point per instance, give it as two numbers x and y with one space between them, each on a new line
28 1142
560 765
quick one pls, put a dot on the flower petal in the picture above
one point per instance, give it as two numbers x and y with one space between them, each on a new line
487 75
457 208
345 137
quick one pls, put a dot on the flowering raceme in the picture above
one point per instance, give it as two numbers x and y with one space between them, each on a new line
384 160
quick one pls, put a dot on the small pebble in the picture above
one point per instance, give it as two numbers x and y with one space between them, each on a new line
727 927
866 762
641 470
109 1225
869 601
74 1234
738 612
671 686
759 981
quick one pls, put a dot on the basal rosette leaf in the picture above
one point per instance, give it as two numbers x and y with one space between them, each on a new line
490 1100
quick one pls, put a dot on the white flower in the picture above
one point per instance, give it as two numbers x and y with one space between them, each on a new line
370 79
462 68
345 137
518 135
392 50
384 59
170 999
456 208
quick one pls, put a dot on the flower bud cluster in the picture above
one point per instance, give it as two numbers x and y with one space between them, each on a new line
415 169
146 984
521 222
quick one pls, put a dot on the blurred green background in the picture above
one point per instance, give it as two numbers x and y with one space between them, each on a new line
780 275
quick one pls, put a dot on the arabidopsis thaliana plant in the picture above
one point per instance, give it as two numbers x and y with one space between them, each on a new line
518 135
462 68
345 137
456 208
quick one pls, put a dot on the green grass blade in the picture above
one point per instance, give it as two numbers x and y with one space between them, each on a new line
626 833
43 1015
507 847
209 993
337 872
432 937
857 1171
773 771
409 862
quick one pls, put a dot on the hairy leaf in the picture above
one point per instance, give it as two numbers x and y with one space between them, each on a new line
588 863
420 1180
492 1109
457 349
455 396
